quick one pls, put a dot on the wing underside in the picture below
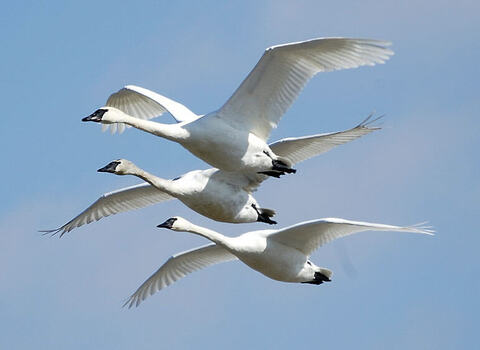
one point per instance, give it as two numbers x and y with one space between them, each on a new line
177 267
282 72
125 199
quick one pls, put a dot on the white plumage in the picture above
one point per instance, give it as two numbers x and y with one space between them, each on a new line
282 255
282 72
145 104
234 137
234 140
124 199
219 195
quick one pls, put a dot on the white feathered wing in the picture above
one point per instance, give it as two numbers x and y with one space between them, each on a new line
178 266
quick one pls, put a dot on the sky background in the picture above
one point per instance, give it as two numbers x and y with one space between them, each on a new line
61 60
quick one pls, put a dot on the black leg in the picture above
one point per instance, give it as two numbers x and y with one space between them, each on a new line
263 216
276 174
278 165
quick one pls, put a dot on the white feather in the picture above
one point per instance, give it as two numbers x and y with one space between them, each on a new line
125 199
234 137
178 266
282 254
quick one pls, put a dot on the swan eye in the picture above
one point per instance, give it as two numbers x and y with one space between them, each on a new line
309 263
100 112
176 178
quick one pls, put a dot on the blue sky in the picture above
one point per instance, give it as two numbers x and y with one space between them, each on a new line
61 60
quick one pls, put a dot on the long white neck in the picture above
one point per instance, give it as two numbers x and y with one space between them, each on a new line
162 184
215 237
169 131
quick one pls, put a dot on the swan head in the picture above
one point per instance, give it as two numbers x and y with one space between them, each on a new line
118 167
176 223
104 115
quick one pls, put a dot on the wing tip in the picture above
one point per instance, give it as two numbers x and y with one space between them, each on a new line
53 232
368 122
422 228
380 43
130 302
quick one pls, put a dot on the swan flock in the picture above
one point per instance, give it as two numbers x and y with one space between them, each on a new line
234 141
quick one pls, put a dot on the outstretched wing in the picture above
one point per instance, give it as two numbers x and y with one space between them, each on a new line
282 72
125 199
298 149
142 103
308 236
178 266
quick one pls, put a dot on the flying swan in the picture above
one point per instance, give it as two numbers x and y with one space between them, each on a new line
282 255
234 137
219 195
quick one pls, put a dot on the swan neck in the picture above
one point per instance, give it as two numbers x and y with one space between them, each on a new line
168 131
155 181
215 237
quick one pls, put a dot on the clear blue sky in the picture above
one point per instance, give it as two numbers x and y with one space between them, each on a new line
60 61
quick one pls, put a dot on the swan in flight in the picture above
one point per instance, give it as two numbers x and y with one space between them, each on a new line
234 137
216 194
282 255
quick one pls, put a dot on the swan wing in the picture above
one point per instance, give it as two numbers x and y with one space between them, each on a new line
282 72
249 182
142 103
298 149
125 199
308 236
178 266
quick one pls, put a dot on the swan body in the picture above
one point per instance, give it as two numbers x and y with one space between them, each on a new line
213 193
219 195
234 138
233 149
282 255
208 192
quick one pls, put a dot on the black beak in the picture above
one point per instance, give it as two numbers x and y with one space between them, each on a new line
168 223
109 168
95 116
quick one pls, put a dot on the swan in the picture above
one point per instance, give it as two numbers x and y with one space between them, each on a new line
282 255
217 194
233 138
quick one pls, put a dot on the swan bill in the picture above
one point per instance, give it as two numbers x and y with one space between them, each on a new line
95 116
168 224
109 168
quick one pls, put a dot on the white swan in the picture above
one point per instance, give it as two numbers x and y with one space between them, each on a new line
282 255
216 194
219 195
234 137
